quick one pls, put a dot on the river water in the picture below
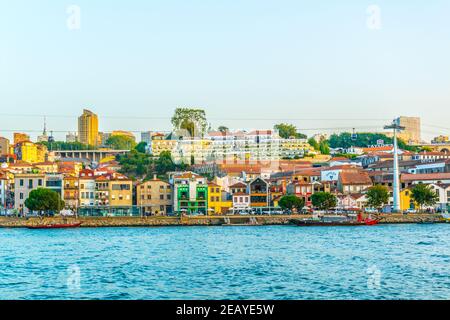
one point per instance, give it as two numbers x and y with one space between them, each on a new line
256 262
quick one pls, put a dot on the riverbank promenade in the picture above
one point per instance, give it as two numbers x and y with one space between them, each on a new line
228 220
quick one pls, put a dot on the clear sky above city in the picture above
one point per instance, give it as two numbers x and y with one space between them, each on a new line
248 63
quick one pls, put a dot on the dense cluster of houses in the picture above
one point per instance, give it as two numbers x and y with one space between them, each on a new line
224 187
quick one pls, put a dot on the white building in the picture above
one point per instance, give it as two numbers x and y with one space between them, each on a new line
87 188
443 190
3 189
23 185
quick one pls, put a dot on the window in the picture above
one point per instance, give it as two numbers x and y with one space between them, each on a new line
217 190
30 184
149 197
161 197
21 196
169 197
211 199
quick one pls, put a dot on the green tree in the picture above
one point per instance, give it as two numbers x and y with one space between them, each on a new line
165 163
364 139
121 142
44 200
286 130
141 147
324 147
223 129
291 202
313 143
135 164
424 196
377 197
323 200
61 145
192 120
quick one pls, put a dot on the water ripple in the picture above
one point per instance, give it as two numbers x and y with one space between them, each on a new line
272 262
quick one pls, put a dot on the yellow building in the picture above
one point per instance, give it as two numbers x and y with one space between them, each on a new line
154 197
123 133
406 201
114 191
88 128
28 152
41 153
20 137
216 203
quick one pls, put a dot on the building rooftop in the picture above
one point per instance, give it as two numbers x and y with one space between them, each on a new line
355 177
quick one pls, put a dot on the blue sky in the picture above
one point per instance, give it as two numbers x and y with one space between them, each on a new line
133 62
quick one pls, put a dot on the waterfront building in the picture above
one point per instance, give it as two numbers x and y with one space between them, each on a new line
241 202
71 192
218 202
114 190
23 184
353 181
239 187
240 197
190 193
356 201
54 182
88 128
87 188
3 189
259 193
4 146
406 201
154 197
443 191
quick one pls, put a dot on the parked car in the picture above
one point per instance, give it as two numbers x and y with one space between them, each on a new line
410 211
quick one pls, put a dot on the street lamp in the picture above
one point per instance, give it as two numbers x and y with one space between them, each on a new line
396 185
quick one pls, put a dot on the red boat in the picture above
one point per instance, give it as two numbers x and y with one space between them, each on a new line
56 226
368 221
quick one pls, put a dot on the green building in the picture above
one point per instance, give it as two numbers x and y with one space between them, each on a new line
190 193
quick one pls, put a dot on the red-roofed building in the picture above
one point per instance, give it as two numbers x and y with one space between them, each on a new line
353 181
